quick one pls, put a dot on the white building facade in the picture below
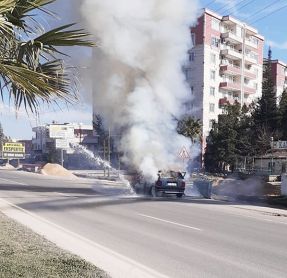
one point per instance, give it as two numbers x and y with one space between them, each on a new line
59 136
225 66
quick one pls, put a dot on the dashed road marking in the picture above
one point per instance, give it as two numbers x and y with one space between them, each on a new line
170 222
12 181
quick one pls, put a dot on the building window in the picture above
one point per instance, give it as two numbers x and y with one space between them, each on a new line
271 164
193 39
212 91
212 74
191 56
215 41
188 106
211 107
212 58
215 24
188 74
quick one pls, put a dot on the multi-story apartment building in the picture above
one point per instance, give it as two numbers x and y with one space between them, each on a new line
225 65
279 76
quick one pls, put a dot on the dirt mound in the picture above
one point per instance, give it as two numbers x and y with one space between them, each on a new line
7 166
56 170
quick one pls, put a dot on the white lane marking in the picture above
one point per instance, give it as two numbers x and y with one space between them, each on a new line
63 194
117 265
170 222
12 181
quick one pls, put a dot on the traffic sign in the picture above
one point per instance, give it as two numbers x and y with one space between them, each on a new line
183 154
62 143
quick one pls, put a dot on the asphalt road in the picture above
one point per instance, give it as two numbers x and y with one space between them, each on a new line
177 238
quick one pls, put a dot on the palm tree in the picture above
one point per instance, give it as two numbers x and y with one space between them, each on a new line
31 71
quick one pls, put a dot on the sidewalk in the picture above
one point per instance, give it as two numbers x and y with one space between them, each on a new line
24 253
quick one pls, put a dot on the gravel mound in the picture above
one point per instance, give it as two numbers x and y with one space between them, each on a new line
56 170
7 166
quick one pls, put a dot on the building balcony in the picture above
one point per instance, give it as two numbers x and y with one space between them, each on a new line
223 102
227 101
250 60
230 69
231 53
231 37
230 86
250 74
251 44
249 90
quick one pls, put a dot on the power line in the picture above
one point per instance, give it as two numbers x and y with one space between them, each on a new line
210 3
263 9
273 12
229 8
250 2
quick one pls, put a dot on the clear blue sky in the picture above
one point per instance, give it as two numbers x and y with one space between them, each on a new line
268 16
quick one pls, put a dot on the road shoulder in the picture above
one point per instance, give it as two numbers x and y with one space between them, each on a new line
113 263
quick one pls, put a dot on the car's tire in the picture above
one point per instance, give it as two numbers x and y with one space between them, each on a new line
179 195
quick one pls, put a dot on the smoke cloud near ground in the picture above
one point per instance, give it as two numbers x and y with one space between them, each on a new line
139 85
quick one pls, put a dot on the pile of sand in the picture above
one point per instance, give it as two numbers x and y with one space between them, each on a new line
7 166
56 170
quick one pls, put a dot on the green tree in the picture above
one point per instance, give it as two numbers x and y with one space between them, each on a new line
222 140
245 133
230 139
282 111
2 137
30 68
189 127
265 112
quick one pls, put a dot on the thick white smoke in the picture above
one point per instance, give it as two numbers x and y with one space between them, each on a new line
139 86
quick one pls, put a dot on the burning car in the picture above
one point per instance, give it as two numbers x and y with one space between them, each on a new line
168 182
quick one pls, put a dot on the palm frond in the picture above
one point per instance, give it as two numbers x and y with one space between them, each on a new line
28 87
62 37
30 70
20 11
7 6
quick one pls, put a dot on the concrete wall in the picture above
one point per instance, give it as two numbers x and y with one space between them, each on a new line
284 185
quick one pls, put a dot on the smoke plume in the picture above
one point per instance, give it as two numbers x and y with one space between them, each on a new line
139 85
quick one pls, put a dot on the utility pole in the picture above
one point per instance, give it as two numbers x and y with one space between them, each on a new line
104 156
272 155
109 150
62 157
